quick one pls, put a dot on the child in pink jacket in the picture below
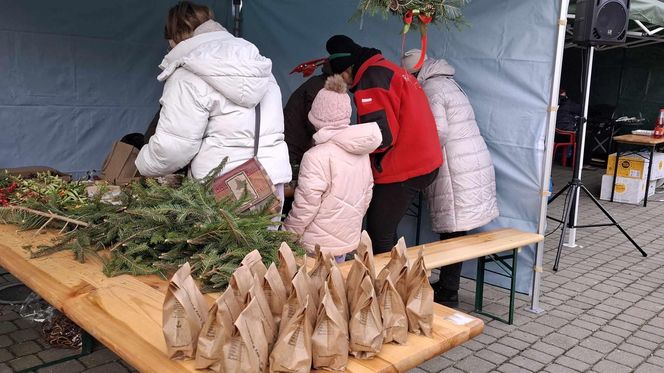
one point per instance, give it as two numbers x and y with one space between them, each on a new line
335 183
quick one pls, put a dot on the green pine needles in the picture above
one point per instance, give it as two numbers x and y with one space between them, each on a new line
157 228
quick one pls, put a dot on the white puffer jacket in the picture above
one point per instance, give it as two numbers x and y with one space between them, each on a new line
463 196
213 83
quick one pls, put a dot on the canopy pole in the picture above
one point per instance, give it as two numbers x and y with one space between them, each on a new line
237 21
548 156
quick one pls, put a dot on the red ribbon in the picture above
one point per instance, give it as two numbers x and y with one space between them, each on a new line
424 22
407 21
309 67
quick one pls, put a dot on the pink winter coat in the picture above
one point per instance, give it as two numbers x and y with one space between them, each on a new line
335 186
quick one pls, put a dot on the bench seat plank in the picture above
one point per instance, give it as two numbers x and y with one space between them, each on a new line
460 249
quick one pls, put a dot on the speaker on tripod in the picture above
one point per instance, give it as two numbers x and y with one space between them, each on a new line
601 22
597 22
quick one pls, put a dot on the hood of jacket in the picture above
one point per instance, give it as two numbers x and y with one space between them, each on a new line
232 66
357 139
433 67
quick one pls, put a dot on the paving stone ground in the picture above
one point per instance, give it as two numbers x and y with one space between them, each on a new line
603 310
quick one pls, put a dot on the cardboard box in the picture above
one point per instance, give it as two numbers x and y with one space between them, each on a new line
635 166
628 190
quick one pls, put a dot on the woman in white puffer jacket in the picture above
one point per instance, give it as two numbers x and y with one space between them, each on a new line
463 196
213 82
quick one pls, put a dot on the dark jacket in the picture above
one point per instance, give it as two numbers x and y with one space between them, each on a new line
385 93
298 131
568 111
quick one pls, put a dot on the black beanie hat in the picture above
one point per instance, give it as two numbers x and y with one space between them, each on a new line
343 52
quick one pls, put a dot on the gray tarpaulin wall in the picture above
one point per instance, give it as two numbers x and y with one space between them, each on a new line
76 75
504 60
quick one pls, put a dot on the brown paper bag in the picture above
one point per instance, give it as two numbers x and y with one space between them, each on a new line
302 291
185 312
241 281
292 352
353 280
398 268
329 342
335 282
365 326
246 348
419 306
254 261
119 167
275 292
269 327
392 311
229 308
319 271
217 328
365 252
287 266
208 350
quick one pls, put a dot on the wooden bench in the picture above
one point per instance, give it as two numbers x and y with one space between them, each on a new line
485 247
125 312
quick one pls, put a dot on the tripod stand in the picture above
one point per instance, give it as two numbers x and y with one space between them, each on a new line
575 186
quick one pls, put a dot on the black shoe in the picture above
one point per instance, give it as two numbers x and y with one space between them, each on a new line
447 298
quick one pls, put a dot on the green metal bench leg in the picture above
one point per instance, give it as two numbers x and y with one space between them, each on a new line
86 348
515 256
479 284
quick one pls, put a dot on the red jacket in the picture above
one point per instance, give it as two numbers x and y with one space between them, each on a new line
387 94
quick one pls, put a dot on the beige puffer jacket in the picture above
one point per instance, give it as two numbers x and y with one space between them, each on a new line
335 186
463 196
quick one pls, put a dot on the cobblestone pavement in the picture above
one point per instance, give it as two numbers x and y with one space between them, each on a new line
604 309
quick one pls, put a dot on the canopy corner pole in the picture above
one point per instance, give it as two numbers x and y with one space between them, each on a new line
548 156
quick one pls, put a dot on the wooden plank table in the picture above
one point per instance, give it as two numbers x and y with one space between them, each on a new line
125 312
636 140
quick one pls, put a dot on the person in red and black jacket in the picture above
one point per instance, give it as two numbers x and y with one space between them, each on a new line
409 157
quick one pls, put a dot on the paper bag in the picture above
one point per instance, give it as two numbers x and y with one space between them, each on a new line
185 312
365 252
269 327
301 292
241 281
365 325
354 279
337 286
275 292
392 311
319 271
329 342
287 266
246 348
419 306
217 328
398 268
254 261
119 167
292 352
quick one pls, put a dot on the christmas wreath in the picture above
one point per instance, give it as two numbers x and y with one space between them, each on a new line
420 12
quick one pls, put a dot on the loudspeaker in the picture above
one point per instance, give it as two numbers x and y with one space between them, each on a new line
601 22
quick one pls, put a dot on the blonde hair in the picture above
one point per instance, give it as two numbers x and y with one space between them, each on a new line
184 18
